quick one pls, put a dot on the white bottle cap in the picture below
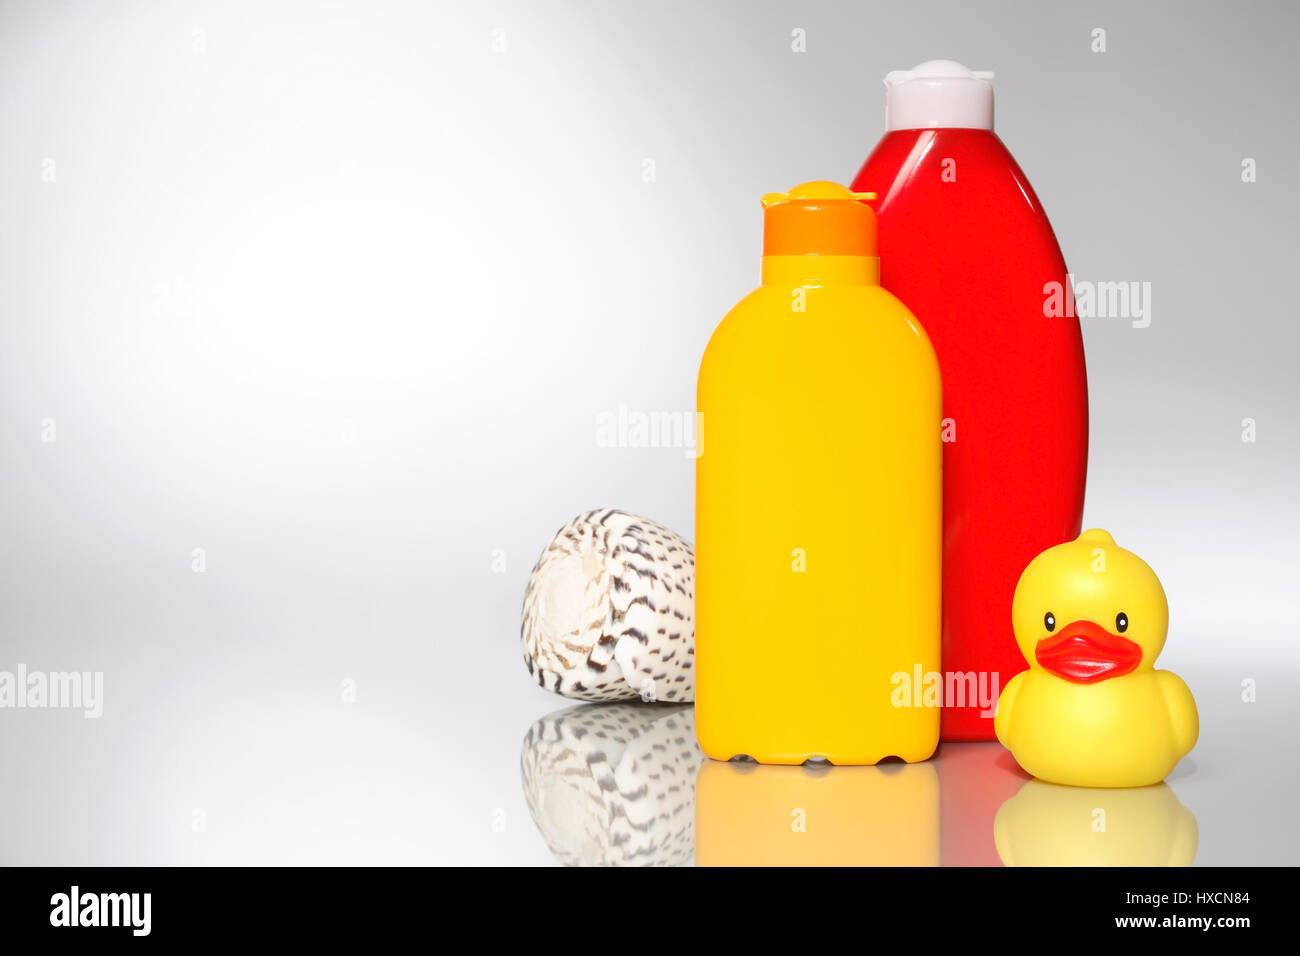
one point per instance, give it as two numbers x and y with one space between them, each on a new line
939 94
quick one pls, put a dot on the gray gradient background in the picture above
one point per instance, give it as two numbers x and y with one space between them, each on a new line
338 297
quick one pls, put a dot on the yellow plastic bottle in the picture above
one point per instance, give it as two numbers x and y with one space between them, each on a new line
818 504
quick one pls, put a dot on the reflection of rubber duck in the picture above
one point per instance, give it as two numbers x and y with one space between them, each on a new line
1090 619
1047 825
750 814
614 784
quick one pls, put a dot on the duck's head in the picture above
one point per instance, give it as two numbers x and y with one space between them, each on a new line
1088 610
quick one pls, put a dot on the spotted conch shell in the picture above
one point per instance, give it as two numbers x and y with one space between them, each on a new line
609 611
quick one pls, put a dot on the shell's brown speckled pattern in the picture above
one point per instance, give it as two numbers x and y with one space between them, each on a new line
614 785
609 611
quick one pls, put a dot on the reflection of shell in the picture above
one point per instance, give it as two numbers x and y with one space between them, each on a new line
609 611
614 785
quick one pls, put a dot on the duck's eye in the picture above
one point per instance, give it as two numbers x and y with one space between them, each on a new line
1121 622
1049 621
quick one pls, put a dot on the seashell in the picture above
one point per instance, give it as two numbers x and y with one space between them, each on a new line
609 611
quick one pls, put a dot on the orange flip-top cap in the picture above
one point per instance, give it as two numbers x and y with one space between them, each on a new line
819 219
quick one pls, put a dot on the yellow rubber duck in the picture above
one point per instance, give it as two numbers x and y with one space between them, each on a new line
1091 711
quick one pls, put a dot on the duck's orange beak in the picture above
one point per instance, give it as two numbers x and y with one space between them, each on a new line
1084 652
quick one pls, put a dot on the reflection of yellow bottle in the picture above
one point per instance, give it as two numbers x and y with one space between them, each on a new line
1046 824
747 815
818 503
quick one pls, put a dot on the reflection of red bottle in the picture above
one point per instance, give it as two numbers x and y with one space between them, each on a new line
967 247
975 779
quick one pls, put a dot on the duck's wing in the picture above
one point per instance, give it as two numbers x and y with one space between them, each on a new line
1182 710
1002 719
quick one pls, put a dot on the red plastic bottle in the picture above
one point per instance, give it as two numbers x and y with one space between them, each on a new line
966 246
